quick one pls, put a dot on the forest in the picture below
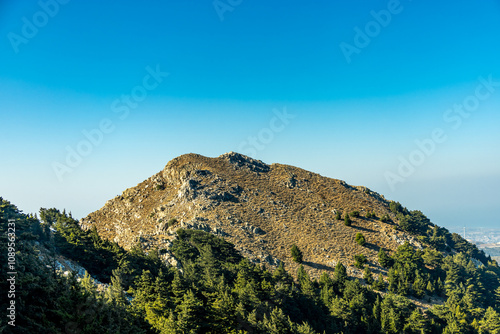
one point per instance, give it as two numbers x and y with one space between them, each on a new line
216 290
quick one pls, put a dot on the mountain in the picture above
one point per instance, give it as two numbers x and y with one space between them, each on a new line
174 255
262 209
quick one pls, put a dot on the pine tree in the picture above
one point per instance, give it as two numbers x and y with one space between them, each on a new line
277 322
419 286
305 328
367 276
161 287
114 293
497 297
282 278
439 287
297 255
384 259
377 309
388 320
403 286
359 261
178 287
144 291
338 216
340 276
88 284
430 288
417 323
326 285
379 284
190 313
306 285
347 220
393 279
360 239
491 322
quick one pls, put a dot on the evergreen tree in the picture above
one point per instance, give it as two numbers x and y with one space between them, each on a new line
417 323
367 276
360 239
347 220
340 275
178 287
393 280
277 322
379 283
439 287
430 288
297 255
359 261
491 322
114 293
305 328
327 288
497 298
190 313
49 216
419 286
377 309
384 259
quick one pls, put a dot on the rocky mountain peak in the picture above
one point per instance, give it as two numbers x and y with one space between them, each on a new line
242 161
262 209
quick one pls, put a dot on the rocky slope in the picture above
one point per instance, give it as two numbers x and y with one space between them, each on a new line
262 209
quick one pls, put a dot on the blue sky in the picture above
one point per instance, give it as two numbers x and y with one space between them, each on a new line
71 68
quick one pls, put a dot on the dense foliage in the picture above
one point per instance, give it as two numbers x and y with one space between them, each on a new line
217 291
47 301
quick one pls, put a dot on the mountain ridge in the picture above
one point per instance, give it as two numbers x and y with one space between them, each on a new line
263 209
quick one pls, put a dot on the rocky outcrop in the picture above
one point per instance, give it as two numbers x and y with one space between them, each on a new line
244 162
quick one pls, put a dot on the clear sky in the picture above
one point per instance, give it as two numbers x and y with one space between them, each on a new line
400 96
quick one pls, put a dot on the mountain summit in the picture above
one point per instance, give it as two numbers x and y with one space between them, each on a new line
262 209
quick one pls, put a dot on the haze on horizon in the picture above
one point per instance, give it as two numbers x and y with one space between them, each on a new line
400 96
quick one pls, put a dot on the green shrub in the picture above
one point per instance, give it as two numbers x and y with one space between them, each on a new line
359 261
370 215
296 254
355 214
172 222
360 239
385 219
347 220
338 216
